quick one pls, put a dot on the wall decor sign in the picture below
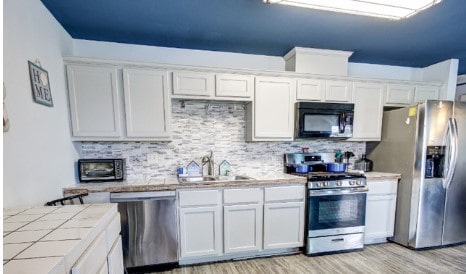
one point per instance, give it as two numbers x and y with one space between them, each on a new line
40 84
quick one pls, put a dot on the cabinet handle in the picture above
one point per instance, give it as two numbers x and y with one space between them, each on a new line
338 240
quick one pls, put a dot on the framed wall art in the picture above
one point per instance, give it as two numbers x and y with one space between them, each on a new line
40 85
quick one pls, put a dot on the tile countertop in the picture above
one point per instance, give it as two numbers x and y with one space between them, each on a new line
376 175
173 184
51 239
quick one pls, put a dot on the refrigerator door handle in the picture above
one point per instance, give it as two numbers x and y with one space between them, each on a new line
453 136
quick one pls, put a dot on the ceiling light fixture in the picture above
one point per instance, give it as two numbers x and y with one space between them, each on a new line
391 9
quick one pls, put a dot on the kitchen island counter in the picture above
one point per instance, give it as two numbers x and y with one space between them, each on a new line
53 239
171 183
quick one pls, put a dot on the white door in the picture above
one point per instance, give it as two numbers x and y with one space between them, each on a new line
94 100
200 231
194 84
242 228
234 86
273 108
398 94
380 217
115 258
310 90
337 91
368 111
283 225
147 105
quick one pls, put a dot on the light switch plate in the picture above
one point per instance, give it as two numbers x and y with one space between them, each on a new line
152 158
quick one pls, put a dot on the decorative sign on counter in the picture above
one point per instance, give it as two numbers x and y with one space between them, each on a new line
40 84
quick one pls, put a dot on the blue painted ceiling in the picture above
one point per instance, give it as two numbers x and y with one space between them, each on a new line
249 26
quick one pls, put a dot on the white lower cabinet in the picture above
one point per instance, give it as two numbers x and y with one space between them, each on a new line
200 231
242 228
283 225
248 226
103 269
115 258
380 210
200 216
284 217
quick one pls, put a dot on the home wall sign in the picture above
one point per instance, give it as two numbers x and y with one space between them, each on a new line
40 84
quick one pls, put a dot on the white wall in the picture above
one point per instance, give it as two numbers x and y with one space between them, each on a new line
446 72
38 155
130 52
383 71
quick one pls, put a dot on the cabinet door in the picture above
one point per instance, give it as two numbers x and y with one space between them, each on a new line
93 258
426 93
234 86
368 110
273 108
380 218
242 228
200 231
337 91
310 90
283 225
193 83
104 269
94 100
115 258
147 105
399 94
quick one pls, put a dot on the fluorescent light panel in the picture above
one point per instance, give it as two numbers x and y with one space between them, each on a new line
391 9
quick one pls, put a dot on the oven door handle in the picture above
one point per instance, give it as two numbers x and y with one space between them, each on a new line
328 192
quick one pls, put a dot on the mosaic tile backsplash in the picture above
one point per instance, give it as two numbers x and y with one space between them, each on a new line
200 127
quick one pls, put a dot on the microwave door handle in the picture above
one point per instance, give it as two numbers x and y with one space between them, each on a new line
453 142
342 122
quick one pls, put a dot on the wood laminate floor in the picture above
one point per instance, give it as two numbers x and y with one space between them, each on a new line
381 258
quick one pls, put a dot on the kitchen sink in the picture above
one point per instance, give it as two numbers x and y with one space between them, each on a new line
212 179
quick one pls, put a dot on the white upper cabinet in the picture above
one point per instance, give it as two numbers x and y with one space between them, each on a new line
337 91
368 110
147 105
193 84
94 94
310 89
399 94
426 92
234 86
272 110
101 110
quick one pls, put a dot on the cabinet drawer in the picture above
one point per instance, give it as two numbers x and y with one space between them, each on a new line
244 195
94 257
232 85
199 198
113 231
378 187
284 193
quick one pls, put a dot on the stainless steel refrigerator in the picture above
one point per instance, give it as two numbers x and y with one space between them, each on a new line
427 145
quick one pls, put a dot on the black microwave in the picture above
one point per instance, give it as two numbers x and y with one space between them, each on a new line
101 170
323 120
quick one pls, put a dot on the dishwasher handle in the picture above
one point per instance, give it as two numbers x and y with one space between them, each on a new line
140 196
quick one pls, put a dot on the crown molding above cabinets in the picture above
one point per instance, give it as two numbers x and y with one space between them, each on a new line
131 101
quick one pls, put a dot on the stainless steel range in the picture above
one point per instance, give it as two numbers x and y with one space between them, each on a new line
336 205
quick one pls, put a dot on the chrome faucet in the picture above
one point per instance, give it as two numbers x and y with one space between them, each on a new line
209 159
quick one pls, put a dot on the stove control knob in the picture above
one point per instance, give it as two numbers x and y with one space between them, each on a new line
339 183
351 183
358 182
319 184
326 184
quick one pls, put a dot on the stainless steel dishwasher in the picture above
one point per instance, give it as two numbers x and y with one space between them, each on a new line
148 228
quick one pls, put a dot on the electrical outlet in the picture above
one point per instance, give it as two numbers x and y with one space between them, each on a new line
152 158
